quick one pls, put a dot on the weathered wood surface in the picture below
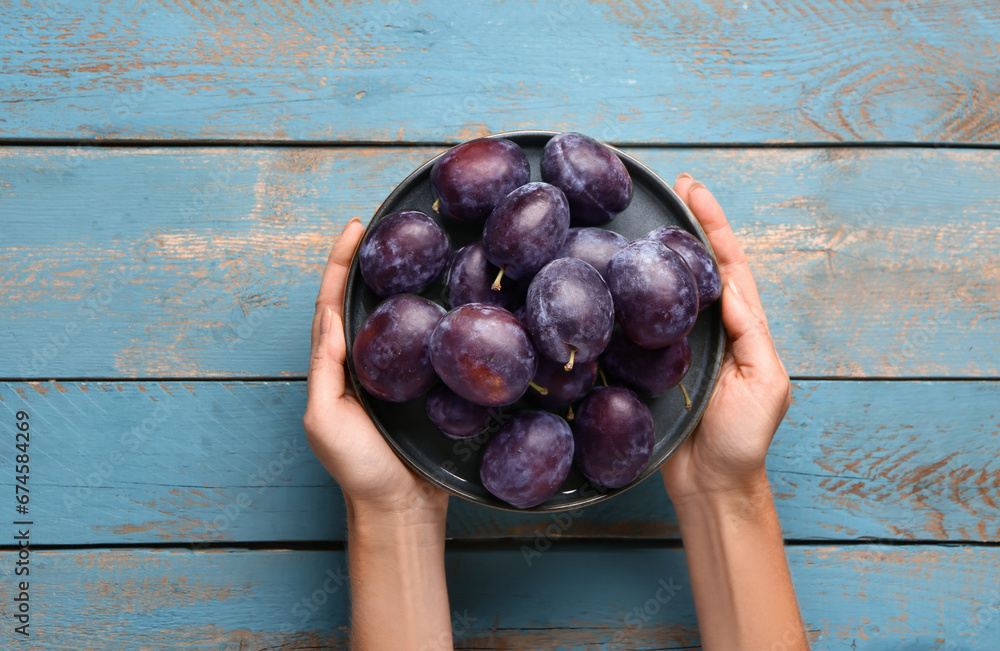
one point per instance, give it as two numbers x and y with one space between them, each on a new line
169 462
159 263
179 264
628 72
865 597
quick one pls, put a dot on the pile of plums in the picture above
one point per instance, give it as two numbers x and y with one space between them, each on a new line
545 303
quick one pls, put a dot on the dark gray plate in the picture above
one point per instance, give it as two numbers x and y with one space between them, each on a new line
454 465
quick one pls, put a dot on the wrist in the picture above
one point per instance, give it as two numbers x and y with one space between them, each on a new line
421 522
416 501
745 501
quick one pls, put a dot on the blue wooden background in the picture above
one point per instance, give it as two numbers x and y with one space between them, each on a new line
173 174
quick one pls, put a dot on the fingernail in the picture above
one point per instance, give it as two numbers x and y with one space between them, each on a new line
695 185
324 321
355 219
683 175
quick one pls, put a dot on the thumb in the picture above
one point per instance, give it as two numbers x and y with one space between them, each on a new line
751 343
326 380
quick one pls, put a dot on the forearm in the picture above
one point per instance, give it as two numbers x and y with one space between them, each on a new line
399 599
739 573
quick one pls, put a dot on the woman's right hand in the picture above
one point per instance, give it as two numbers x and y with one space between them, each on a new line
725 454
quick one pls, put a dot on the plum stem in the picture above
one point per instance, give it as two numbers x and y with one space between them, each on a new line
572 356
541 390
496 282
436 205
687 398
569 413
604 378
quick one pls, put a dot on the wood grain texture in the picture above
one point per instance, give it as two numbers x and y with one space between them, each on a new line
168 462
153 263
187 264
628 72
867 597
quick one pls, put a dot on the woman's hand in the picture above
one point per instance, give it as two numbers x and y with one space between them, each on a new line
742 589
395 520
725 454
340 432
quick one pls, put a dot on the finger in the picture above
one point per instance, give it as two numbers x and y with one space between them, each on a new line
334 283
682 186
733 263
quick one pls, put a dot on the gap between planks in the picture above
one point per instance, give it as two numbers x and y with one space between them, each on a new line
500 544
406 144
302 378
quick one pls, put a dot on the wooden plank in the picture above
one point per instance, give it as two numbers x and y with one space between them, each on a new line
632 71
194 262
169 462
867 597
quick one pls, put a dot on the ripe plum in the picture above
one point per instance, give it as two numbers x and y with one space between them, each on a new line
594 179
647 372
403 253
703 267
469 278
613 432
484 354
472 178
528 459
455 416
595 246
526 230
391 348
569 311
656 299
561 387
